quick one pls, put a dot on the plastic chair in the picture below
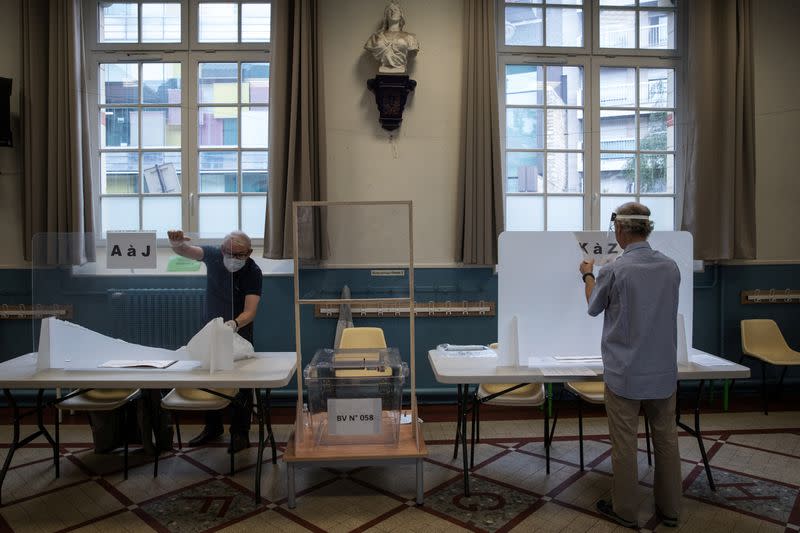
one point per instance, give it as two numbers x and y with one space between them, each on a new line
355 338
594 392
193 400
762 340
504 394
101 400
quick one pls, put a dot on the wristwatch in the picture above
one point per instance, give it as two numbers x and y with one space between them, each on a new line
587 274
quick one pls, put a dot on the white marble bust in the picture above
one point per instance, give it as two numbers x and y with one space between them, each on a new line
390 45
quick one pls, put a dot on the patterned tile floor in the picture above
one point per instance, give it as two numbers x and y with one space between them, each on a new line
755 460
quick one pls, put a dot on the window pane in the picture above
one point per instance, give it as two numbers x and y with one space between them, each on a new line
119 83
657 3
617 2
161 126
119 173
119 127
524 213
564 27
657 29
524 172
255 23
218 83
255 171
608 204
255 127
657 173
120 214
524 26
161 213
565 86
564 2
617 87
218 23
161 172
564 172
618 130
657 130
662 212
218 171
219 215
617 173
217 126
255 83
524 128
254 211
656 87
524 85
617 29
118 23
565 129
161 83
564 213
161 23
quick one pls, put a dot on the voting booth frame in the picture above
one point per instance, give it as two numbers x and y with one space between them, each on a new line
301 448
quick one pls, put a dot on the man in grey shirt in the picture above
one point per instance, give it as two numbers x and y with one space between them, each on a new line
639 294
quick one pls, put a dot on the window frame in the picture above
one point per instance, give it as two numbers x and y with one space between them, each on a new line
189 53
593 58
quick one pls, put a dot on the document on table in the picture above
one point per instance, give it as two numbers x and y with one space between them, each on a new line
709 360
567 371
579 358
129 363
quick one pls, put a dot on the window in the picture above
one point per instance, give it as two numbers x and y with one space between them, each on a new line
182 107
589 111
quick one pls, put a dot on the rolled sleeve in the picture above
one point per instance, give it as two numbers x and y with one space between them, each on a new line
599 299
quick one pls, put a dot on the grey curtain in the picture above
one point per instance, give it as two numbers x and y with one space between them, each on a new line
718 133
480 185
57 195
297 150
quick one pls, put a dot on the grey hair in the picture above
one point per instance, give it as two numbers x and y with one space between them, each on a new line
640 228
239 237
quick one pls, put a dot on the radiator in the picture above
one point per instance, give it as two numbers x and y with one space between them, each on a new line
165 318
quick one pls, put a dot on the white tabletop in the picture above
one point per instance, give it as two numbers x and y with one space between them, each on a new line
268 370
461 370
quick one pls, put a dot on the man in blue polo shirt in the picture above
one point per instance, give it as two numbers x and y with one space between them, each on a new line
638 294
233 290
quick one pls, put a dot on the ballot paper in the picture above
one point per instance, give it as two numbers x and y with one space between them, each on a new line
709 360
465 350
567 371
132 363
579 358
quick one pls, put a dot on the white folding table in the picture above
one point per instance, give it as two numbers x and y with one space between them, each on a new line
466 371
266 371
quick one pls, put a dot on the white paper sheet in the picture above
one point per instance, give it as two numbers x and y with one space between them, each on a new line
567 371
133 363
709 360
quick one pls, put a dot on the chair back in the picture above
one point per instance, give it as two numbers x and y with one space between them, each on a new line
762 337
356 338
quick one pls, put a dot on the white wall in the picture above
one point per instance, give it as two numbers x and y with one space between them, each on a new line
11 158
777 78
361 162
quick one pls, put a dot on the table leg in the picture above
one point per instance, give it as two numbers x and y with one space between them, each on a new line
14 439
260 456
270 433
290 486
547 408
463 417
458 423
695 432
726 385
420 484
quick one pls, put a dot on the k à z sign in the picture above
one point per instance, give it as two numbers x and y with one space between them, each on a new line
131 249
354 416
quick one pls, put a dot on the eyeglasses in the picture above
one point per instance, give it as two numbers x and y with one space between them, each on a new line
238 255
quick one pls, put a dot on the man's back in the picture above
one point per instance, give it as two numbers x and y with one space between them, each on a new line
639 293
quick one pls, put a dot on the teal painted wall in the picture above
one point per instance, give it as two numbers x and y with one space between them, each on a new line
716 318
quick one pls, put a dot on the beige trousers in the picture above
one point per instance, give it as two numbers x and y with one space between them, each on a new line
623 427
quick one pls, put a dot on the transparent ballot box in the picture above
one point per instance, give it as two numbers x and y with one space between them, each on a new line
355 396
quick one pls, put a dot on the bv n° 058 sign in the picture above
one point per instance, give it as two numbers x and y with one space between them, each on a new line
354 416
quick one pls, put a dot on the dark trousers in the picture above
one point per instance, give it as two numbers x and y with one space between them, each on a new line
240 411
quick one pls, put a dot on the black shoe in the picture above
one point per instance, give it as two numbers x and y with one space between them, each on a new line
607 509
239 442
666 520
207 435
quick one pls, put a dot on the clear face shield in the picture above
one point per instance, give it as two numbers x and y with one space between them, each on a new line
615 217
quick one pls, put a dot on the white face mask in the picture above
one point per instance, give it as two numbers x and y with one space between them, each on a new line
233 264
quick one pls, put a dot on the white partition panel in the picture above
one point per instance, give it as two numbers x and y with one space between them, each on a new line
540 285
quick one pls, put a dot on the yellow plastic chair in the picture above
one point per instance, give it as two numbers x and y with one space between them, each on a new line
101 400
504 394
762 340
594 392
362 339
